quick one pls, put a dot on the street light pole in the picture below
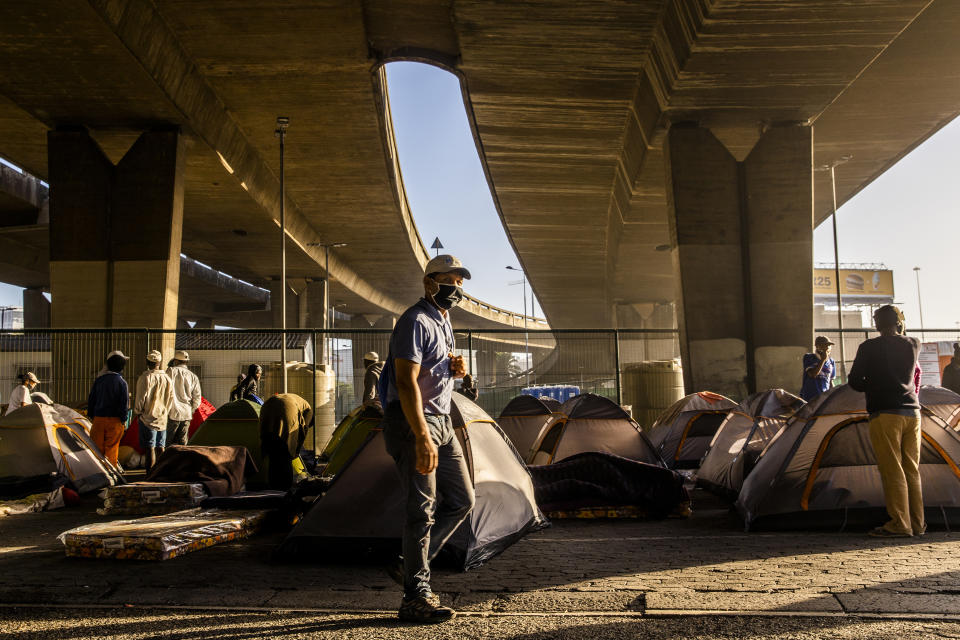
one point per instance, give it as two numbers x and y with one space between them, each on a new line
526 335
916 271
281 132
326 246
836 262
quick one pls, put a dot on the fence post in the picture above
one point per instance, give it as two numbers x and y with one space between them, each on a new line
315 409
470 353
616 355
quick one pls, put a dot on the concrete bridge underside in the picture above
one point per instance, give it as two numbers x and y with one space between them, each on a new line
641 154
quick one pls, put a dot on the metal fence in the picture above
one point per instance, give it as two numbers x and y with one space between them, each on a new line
633 367
853 338
326 367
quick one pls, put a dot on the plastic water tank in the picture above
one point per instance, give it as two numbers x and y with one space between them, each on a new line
650 387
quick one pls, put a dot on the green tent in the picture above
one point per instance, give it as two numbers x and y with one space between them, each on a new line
235 424
349 436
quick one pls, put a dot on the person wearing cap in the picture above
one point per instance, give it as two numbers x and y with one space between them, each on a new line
152 401
951 372
372 368
885 371
819 370
468 388
108 405
186 398
415 389
20 397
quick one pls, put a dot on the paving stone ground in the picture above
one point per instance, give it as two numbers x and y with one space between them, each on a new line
705 564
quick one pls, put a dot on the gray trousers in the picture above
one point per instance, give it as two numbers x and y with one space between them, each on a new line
428 525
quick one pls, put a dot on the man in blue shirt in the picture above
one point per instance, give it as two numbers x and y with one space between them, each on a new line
819 370
415 388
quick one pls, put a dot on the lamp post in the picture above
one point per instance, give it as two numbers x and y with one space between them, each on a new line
526 335
836 258
326 281
916 272
281 131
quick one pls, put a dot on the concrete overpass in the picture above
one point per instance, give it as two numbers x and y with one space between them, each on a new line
641 154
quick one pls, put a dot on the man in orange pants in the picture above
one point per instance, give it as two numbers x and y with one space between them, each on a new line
108 405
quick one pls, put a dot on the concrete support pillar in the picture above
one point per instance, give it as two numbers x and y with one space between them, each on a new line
743 250
115 236
314 304
36 309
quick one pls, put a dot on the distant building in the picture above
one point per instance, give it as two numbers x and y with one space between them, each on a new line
11 317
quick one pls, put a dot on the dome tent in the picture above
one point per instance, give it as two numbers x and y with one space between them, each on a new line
362 508
820 471
942 404
524 418
235 424
349 436
683 432
589 422
43 444
741 438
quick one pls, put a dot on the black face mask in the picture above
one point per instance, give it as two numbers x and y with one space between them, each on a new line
448 296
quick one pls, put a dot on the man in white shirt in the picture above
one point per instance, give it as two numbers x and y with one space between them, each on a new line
153 399
186 398
21 394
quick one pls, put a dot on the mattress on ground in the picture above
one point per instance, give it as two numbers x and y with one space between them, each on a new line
161 537
150 498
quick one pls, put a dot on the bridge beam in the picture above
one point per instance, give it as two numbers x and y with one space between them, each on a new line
742 243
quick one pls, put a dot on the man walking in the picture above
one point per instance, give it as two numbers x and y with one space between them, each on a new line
884 371
819 370
151 404
186 398
108 405
415 389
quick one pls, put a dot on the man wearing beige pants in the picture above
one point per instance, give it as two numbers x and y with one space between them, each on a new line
884 370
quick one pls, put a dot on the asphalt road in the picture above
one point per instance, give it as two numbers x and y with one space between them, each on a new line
129 623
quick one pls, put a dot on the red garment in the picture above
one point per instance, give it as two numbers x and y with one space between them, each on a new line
917 374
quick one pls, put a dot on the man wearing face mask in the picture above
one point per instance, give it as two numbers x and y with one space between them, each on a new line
415 389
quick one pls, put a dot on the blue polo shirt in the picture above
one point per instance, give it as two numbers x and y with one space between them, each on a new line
422 335
812 387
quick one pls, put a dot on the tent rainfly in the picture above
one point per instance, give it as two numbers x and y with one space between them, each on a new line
348 437
820 471
42 444
362 508
524 418
589 422
235 424
683 432
741 437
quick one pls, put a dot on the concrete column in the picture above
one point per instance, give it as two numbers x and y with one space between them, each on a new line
114 248
743 250
36 309
314 304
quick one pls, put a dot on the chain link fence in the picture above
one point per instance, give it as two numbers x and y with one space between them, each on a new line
853 338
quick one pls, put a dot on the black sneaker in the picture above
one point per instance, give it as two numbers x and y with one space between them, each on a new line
881 532
425 609
395 571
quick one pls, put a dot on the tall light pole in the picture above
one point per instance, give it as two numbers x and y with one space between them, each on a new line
526 335
836 259
281 131
326 281
916 272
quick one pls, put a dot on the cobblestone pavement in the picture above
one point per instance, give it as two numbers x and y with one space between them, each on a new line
703 565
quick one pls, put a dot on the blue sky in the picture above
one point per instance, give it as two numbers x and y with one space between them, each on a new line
906 218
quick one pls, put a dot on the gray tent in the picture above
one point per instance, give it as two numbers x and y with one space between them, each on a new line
820 471
362 508
943 405
592 423
682 434
741 437
43 444
524 418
